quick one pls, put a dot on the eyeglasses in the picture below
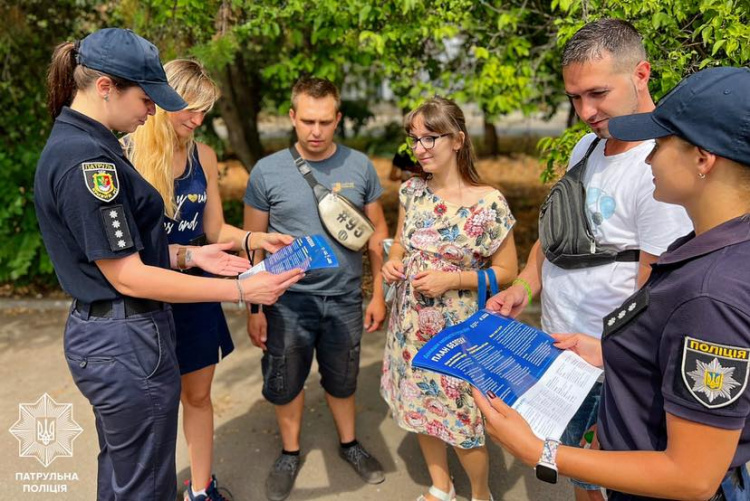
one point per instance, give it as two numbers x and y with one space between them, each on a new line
428 142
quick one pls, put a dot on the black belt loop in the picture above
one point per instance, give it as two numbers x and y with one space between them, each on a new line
83 309
119 309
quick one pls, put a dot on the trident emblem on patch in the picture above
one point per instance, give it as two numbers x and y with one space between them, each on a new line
45 430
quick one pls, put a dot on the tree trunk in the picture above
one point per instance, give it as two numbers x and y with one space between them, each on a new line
239 106
491 143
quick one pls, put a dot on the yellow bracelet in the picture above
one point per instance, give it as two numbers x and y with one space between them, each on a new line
525 284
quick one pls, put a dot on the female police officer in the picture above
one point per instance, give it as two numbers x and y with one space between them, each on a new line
673 421
102 224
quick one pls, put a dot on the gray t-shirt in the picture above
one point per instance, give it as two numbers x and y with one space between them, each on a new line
277 187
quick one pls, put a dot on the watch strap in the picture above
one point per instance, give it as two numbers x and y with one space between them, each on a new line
549 451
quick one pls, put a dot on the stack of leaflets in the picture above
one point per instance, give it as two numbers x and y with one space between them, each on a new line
516 362
311 252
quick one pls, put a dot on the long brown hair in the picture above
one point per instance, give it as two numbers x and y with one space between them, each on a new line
66 77
443 116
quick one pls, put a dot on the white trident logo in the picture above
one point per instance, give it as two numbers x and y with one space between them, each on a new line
45 430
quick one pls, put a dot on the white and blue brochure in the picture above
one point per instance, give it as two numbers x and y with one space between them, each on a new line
311 252
518 363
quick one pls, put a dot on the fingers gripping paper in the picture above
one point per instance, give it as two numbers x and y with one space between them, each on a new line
310 252
518 363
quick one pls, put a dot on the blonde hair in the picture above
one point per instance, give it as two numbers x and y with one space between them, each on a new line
443 116
151 147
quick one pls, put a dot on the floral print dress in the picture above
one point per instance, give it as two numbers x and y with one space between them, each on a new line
437 235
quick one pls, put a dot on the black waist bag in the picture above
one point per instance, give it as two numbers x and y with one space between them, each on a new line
564 229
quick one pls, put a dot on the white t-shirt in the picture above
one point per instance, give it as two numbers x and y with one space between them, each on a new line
623 215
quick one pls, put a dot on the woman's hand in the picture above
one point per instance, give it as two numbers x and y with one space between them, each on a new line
393 271
213 259
433 283
266 288
270 242
506 427
587 347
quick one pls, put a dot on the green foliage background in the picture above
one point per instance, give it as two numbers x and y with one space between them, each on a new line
503 56
31 30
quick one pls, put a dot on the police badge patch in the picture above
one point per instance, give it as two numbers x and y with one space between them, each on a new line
714 374
101 180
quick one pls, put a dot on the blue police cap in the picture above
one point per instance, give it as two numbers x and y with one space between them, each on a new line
710 109
124 54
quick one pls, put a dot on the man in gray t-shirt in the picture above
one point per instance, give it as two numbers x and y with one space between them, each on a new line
321 315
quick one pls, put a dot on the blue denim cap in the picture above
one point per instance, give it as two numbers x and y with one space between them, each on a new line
122 53
710 109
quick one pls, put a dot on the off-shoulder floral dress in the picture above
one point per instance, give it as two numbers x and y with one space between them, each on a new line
437 235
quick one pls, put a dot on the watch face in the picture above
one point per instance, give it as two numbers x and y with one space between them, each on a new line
546 473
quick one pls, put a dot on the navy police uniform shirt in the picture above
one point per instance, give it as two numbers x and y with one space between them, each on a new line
92 204
681 345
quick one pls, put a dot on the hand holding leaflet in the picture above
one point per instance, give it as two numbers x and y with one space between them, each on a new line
311 252
517 363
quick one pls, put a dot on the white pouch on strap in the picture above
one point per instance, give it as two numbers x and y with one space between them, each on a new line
343 220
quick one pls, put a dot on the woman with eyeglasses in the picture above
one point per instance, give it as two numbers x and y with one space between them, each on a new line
450 225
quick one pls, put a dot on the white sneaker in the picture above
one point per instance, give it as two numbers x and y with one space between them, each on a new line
439 494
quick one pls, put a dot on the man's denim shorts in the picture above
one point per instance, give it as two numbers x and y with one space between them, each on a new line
303 324
583 419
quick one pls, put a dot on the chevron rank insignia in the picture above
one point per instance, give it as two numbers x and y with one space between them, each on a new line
116 226
631 308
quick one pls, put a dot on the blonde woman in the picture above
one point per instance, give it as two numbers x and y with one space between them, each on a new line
449 225
185 174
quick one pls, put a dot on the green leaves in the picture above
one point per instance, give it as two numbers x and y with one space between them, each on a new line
681 37
501 56
31 30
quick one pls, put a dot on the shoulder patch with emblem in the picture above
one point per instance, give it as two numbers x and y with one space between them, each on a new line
714 374
630 309
101 180
116 226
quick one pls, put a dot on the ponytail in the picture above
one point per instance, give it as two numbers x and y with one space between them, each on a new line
65 77
61 84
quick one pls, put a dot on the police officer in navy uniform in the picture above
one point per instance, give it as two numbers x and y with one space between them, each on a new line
102 224
674 417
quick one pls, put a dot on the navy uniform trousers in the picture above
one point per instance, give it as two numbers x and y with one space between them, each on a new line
127 368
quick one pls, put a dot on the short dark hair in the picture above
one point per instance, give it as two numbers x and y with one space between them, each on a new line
317 88
615 36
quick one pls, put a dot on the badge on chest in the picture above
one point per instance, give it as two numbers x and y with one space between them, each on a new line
714 374
631 308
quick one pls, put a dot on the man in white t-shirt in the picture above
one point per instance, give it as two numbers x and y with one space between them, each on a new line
606 75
